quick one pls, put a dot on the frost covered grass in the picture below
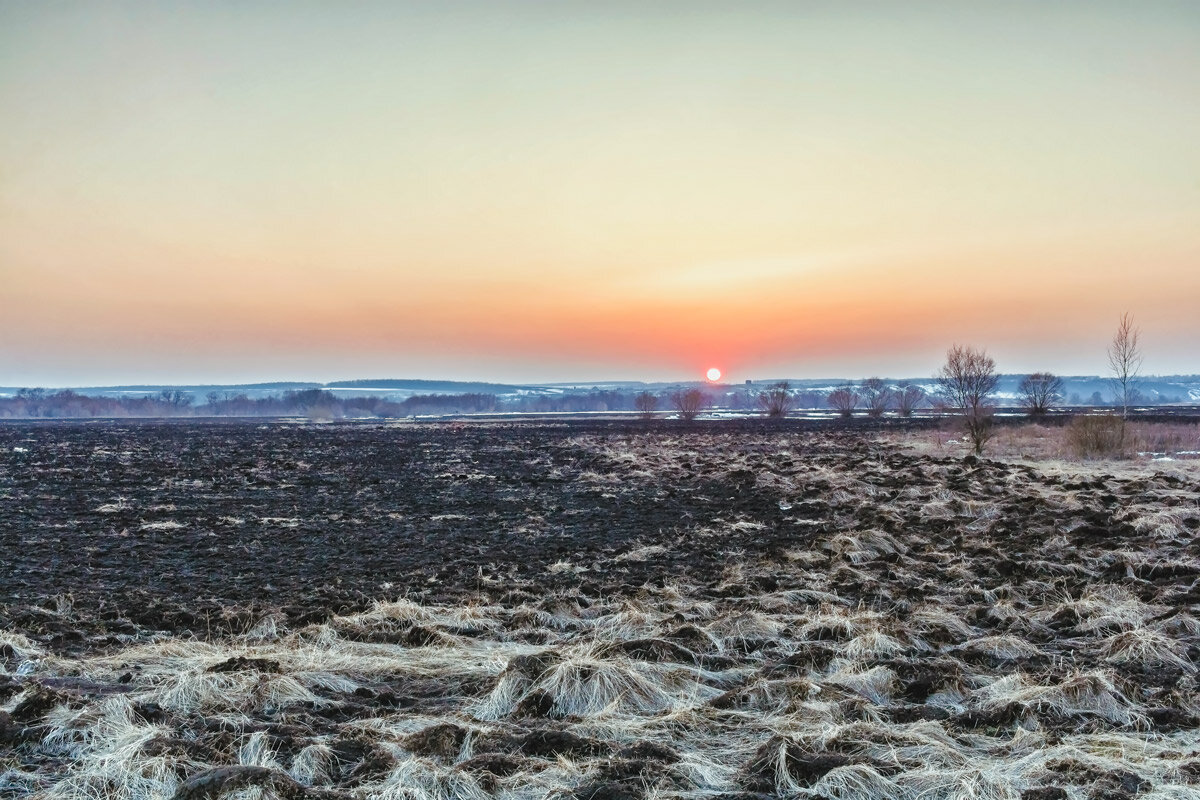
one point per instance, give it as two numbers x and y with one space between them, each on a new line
909 628
735 699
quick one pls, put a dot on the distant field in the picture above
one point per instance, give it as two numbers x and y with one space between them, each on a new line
592 609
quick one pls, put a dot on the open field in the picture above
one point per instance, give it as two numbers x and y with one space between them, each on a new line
601 610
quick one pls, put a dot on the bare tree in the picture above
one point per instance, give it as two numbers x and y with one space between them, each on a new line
966 382
1125 360
688 402
908 397
33 400
877 396
646 403
1039 391
776 400
176 399
844 399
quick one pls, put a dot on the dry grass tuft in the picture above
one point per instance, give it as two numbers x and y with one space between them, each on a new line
913 627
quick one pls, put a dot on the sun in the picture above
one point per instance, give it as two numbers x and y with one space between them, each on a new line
713 374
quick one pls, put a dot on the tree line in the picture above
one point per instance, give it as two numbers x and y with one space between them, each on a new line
968 378
965 385
313 403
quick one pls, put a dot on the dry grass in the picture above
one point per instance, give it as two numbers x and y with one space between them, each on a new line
613 697
1081 441
964 674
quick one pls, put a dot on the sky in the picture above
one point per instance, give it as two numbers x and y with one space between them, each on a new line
560 191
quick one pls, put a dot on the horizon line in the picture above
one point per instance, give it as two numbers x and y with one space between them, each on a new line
534 384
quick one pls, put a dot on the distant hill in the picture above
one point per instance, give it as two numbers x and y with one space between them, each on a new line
273 386
198 391
388 388
1078 389
385 385
1082 389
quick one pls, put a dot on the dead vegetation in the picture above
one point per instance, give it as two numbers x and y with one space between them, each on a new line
1090 437
873 623
660 694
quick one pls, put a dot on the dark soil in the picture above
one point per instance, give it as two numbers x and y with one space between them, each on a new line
313 520
116 528
975 569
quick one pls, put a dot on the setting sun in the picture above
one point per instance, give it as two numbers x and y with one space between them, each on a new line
713 374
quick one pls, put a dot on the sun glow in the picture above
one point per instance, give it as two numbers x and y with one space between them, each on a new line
713 374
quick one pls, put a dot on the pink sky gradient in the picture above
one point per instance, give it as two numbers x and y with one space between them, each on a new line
533 192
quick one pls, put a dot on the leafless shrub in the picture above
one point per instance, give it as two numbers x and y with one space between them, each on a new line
877 396
1096 436
1041 442
688 402
1031 441
776 400
908 397
1039 392
646 403
1166 438
966 381
844 399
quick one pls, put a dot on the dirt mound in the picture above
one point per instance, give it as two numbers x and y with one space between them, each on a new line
780 763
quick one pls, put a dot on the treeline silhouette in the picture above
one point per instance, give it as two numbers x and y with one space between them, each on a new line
323 404
872 397
314 403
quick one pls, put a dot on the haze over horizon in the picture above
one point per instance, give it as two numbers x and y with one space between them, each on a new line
523 193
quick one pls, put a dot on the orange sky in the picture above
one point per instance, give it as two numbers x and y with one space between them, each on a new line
532 192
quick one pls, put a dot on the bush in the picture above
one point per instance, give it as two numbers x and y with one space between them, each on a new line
1039 391
646 404
1097 436
908 397
1166 438
877 395
777 400
967 381
689 403
844 399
